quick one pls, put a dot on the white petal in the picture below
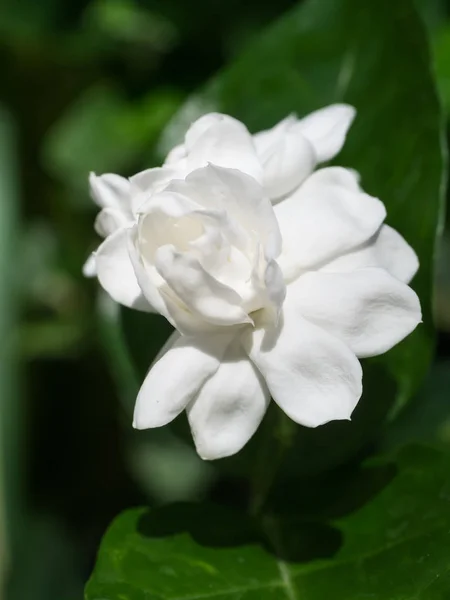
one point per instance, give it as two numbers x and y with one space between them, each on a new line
89 267
275 286
177 154
286 163
368 309
201 126
229 407
171 218
205 296
109 220
338 177
116 274
145 278
160 296
152 181
312 376
172 202
111 191
386 249
327 128
395 254
238 195
263 140
325 218
226 142
176 377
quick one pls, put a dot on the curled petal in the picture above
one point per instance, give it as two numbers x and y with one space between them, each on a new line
325 218
176 378
238 195
286 155
229 407
327 128
149 281
116 273
264 140
338 178
172 202
153 178
170 218
313 376
160 296
204 295
368 309
150 181
202 125
109 220
287 164
224 142
111 191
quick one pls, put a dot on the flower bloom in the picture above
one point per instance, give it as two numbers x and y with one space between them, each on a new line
276 277
280 159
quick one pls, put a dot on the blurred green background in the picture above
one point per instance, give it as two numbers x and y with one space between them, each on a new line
89 86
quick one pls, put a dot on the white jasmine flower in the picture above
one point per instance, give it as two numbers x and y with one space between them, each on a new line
279 158
268 300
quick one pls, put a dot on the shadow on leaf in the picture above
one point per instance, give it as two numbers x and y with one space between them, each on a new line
216 526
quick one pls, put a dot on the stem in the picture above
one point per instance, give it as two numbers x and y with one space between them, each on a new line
276 440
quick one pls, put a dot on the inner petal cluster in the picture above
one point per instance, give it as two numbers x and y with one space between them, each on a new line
204 249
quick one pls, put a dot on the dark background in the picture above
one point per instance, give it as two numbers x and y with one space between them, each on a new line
89 85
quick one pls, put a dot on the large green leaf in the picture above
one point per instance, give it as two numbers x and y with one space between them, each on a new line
373 55
394 547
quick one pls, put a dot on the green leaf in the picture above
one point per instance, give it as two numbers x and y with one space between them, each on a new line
395 546
441 52
375 57
427 418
